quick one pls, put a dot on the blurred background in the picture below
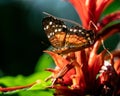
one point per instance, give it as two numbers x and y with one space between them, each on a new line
22 39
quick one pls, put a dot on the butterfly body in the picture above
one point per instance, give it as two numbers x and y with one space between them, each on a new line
64 39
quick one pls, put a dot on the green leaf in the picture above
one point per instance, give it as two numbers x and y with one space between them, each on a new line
36 93
12 81
21 80
40 87
38 76
45 61
115 6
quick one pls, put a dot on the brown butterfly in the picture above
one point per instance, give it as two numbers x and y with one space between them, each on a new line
64 39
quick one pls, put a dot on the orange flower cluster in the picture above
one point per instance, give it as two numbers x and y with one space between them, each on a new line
84 72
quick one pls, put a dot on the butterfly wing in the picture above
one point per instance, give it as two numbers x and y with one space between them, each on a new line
77 39
55 30
66 40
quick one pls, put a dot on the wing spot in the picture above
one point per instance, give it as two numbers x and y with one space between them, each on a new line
44 28
87 34
53 33
50 23
53 26
74 30
59 29
49 36
71 30
47 27
56 30
88 38
64 26
80 30
82 33
91 42
60 25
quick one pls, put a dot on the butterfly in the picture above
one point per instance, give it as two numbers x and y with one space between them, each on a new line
65 39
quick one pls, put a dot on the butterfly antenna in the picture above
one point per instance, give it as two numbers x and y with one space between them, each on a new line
70 21
48 14
66 20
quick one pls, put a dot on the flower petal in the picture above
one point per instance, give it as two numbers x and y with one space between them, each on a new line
100 6
117 66
109 31
95 62
58 59
109 18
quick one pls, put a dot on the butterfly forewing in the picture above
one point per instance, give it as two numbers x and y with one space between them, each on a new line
55 30
64 39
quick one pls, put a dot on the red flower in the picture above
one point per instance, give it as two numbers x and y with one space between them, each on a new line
76 72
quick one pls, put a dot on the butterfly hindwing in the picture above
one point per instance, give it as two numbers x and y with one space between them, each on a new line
79 37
